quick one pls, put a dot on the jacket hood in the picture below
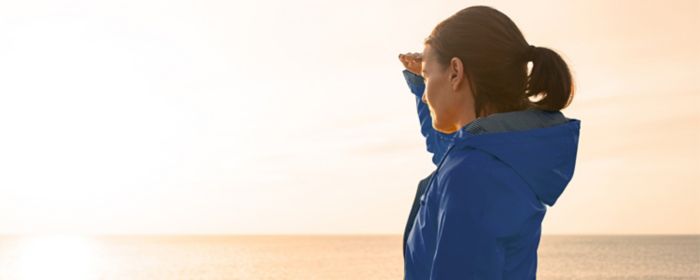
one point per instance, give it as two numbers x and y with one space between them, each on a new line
539 145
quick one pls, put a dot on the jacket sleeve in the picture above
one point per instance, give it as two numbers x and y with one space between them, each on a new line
466 243
436 142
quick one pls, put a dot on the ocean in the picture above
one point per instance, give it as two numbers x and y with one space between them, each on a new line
322 257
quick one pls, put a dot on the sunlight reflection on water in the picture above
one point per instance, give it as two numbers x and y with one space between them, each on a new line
321 257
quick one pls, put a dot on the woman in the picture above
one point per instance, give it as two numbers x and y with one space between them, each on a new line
436 142
501 155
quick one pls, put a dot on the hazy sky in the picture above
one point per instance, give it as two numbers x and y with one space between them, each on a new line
293 116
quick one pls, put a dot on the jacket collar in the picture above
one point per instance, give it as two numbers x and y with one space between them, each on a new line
512 121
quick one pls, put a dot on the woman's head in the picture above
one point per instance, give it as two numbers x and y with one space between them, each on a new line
475 64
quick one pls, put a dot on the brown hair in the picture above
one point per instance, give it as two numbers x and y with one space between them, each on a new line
495 56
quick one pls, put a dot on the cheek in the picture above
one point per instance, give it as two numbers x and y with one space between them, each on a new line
432 93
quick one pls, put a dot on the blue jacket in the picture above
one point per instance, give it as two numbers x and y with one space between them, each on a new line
480 214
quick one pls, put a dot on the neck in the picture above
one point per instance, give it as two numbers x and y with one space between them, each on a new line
463 118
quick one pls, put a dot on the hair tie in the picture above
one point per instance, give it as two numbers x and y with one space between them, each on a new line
530 54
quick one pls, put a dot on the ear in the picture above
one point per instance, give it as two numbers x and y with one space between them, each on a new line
456 73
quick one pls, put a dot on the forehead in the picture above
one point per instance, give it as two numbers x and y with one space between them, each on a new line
427 56
426 50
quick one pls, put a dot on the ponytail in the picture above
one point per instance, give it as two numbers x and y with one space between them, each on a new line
551 78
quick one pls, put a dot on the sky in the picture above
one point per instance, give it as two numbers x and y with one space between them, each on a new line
293 117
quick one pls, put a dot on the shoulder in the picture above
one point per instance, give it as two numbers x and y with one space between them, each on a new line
477 177
479 185
472 163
